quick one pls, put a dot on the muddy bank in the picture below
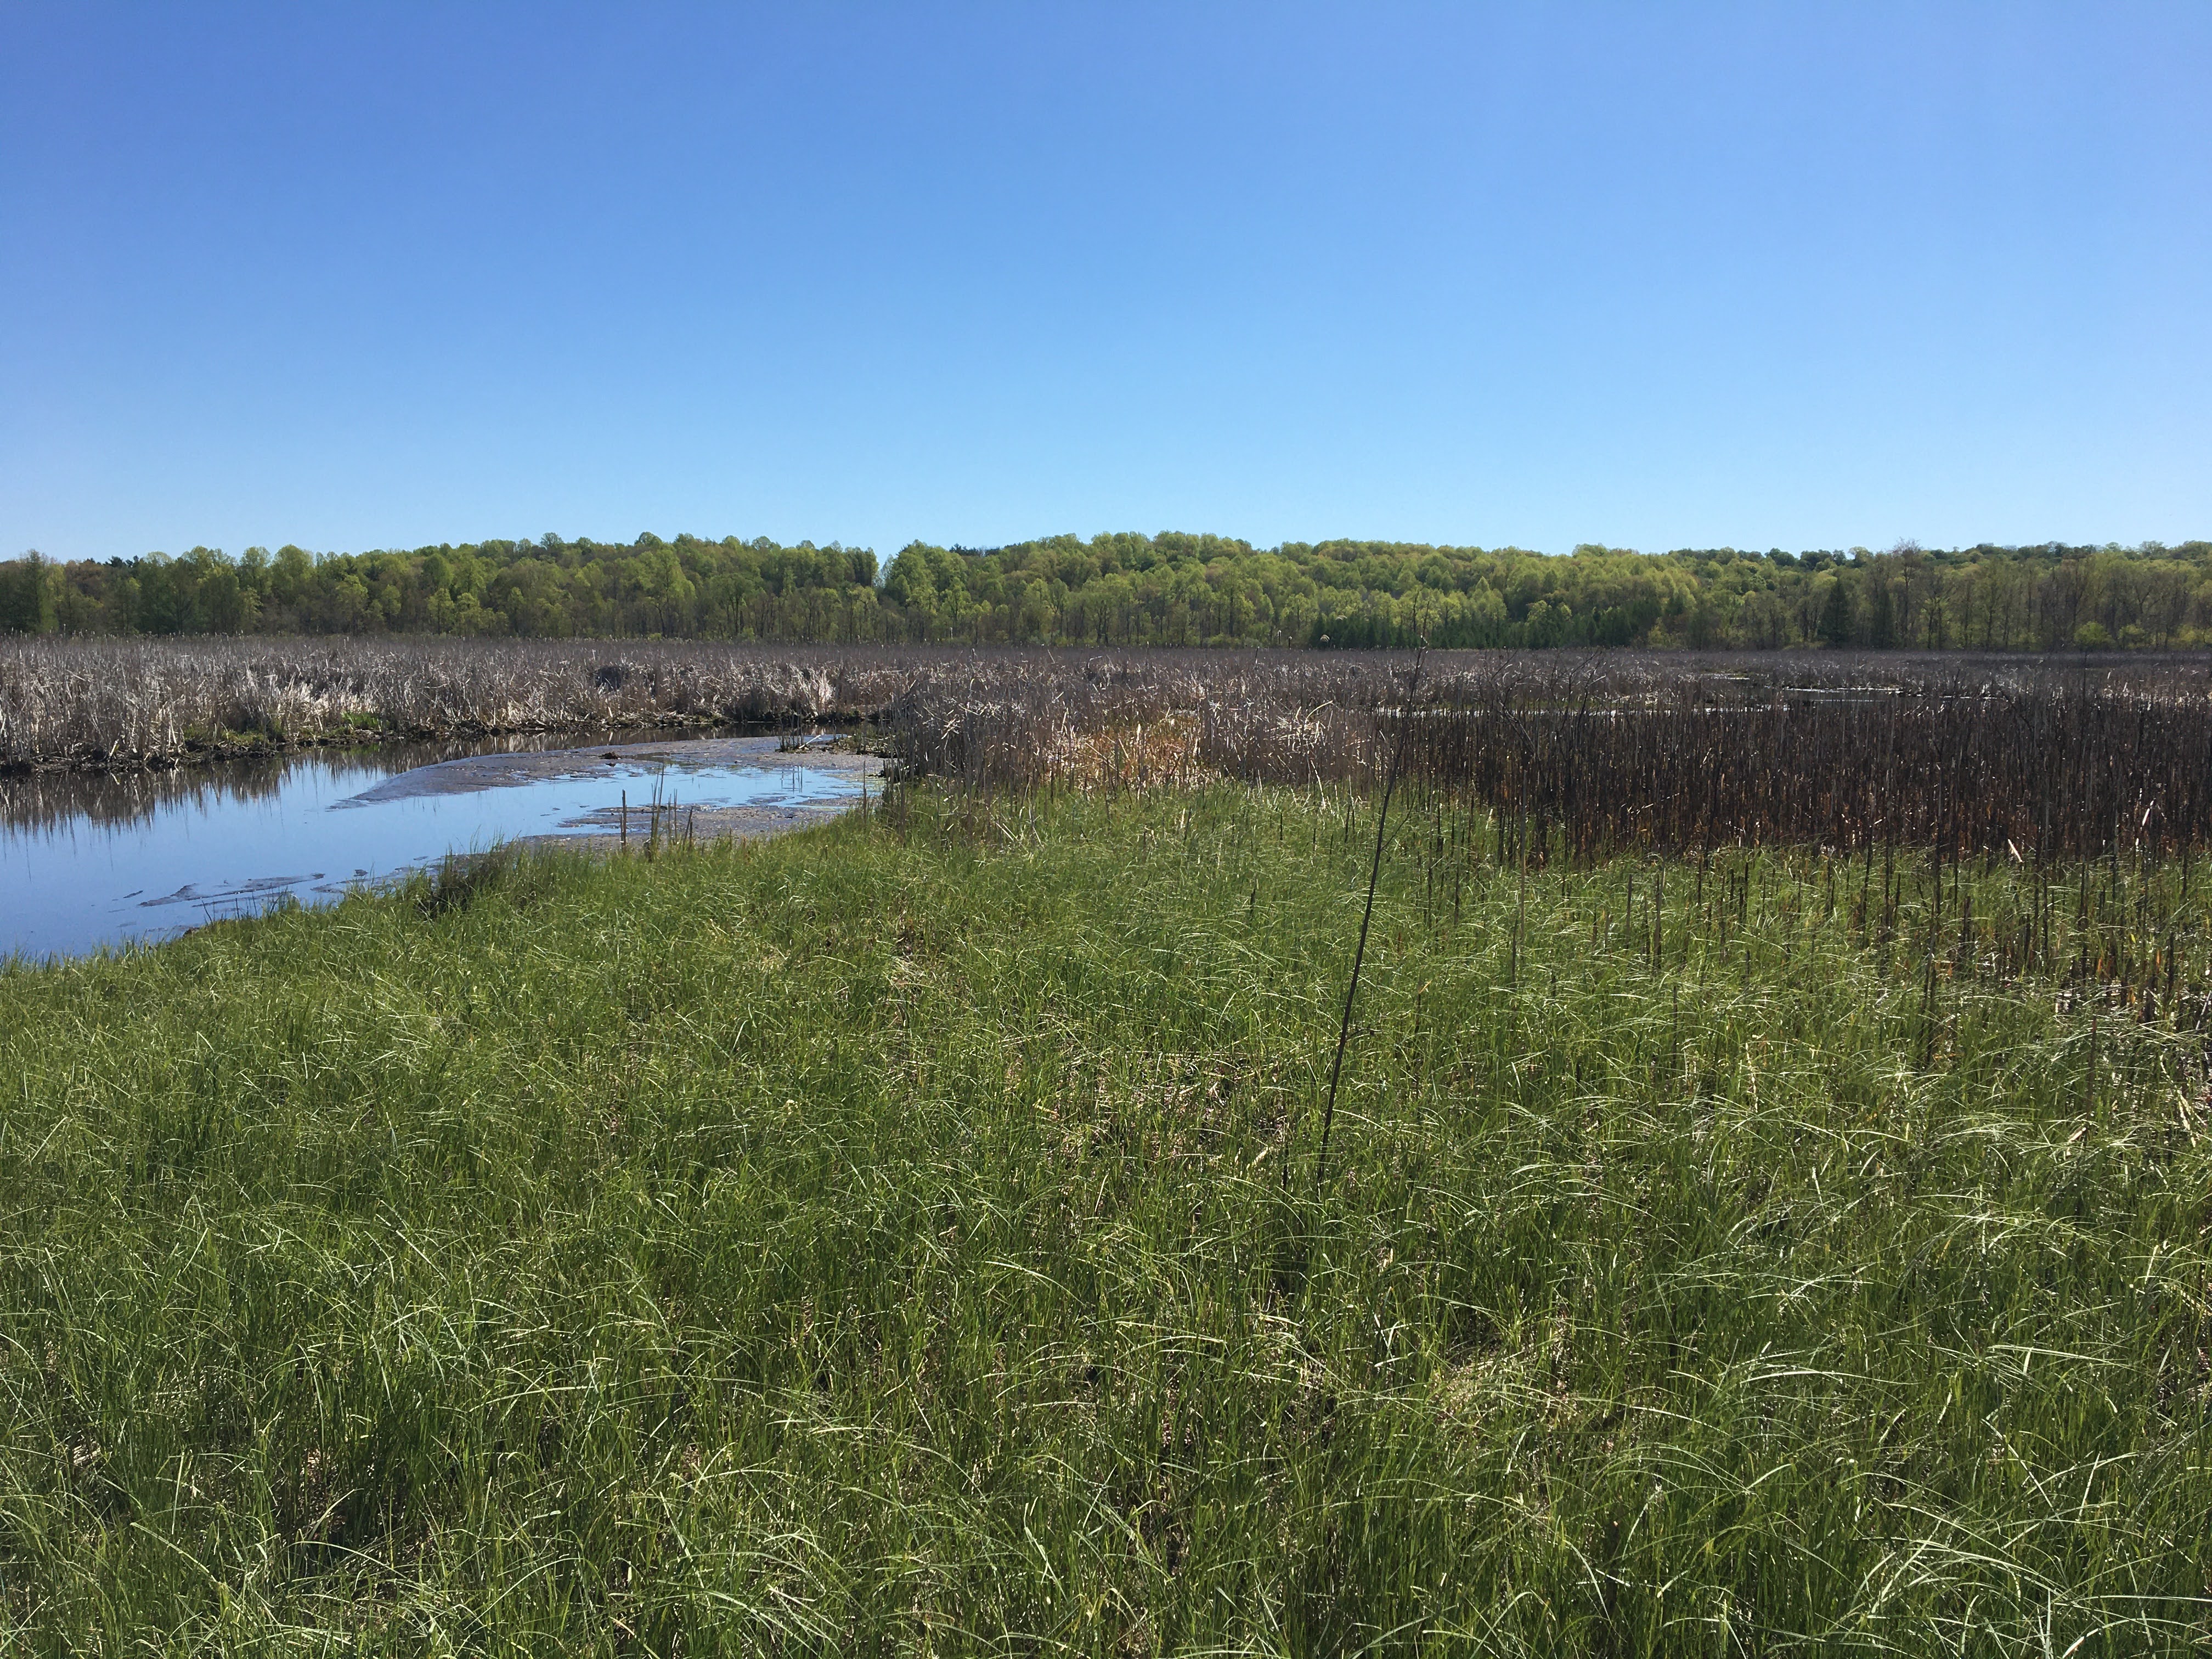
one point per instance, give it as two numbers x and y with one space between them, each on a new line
675 759
197 751
659 810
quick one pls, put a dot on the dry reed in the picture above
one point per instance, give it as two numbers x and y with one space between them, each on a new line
1594 752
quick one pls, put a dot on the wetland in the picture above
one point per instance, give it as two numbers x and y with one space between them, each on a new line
1766 1208
89 860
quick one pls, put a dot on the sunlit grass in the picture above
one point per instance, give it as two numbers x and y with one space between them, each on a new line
904 1237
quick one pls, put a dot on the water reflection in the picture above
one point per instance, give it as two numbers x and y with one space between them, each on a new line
45 800
92 860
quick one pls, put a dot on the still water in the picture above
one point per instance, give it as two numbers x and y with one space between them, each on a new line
92 860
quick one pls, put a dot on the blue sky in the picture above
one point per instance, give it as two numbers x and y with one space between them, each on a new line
1786 275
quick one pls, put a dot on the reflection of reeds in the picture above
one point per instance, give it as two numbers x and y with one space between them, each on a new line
43 799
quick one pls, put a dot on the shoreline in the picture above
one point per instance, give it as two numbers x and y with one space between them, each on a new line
211 751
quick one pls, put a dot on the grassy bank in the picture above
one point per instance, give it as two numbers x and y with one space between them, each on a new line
879 1241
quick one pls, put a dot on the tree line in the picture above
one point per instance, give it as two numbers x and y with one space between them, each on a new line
1133 589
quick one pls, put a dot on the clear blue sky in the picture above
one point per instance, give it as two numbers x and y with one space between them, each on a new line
1775 274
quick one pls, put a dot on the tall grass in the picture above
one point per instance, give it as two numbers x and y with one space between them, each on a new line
873 1242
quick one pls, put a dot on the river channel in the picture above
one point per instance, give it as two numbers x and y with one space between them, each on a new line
89 860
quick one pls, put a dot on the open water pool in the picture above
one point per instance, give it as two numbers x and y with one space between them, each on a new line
91 861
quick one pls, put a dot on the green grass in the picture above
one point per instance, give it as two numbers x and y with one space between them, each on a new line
876 1241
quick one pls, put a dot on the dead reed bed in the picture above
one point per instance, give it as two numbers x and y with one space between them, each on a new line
1586 757
1579 755
141 702
2060 763
137 701
125 703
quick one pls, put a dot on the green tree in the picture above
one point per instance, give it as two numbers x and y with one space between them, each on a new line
1836 613
27 595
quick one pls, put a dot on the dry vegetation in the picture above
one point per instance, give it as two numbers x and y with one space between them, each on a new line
1590 755
2021 756
158 702
116 704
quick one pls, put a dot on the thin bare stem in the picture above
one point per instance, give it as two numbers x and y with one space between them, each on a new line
1367 915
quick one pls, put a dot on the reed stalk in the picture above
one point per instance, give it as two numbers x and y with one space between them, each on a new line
1366 916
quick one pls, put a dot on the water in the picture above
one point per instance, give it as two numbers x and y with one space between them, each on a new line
88 862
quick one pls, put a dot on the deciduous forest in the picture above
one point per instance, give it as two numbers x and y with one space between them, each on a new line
1129 589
